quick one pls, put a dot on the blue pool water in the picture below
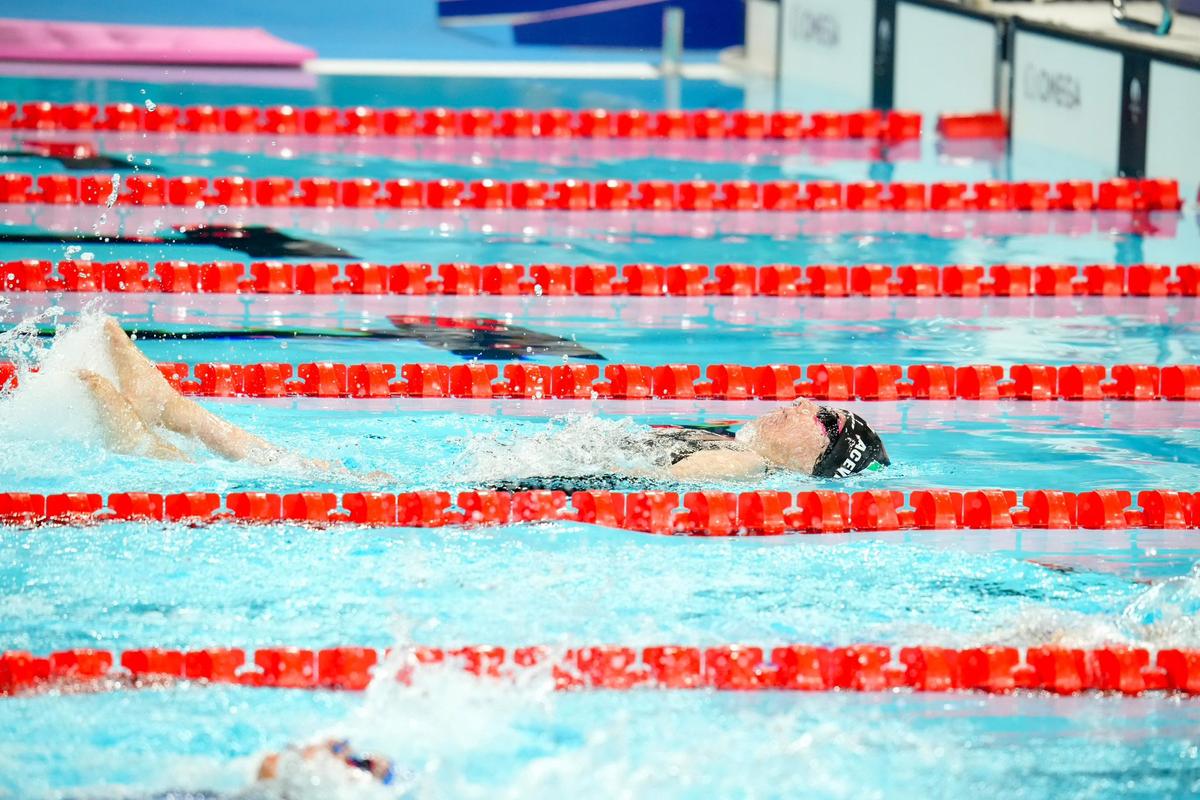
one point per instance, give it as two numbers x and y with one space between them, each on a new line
143 585
284 87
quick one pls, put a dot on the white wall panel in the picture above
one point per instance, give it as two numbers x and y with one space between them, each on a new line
945 62
1173 139
1067 97
827 51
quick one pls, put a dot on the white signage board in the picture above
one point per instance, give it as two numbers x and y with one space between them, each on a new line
1173 137
1066 97
945 61
826 54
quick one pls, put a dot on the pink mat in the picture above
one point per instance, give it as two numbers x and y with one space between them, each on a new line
39 40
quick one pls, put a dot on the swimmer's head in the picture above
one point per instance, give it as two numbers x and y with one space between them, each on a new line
818 440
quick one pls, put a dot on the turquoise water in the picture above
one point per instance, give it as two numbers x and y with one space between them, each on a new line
647 744
143 585
442 587
285 87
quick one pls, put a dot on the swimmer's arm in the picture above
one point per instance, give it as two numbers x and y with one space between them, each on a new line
718 464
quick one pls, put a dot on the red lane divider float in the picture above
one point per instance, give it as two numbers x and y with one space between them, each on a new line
711 513
988 125
857 668
774 382
1117 194
582 280
514 123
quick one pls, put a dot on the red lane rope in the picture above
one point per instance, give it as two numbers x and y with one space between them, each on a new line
711 513
732 382
586 280
1117 194
76 146
514 123
858 668
988 125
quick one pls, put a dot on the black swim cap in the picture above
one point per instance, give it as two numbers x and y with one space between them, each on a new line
852 449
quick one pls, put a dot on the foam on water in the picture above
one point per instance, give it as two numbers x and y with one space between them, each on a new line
566 446
50 403
1168 613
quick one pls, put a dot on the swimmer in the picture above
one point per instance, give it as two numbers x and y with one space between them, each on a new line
337 751
803 437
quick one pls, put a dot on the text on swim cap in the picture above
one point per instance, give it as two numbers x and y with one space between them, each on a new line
852 458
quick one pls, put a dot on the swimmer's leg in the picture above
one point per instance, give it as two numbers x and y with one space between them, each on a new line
223 438
157 403
139 380
124 430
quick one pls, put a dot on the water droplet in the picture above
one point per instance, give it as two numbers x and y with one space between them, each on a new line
537 290
222 209
150 104
199 204
116 190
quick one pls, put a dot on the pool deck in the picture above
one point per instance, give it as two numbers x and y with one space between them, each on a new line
1094 20
367 29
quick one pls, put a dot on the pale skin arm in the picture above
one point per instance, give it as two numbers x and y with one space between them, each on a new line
718 465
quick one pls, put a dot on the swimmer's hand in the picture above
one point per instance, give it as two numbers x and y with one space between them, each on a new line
328 469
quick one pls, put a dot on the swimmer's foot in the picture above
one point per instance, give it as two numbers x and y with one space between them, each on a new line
124 430
141 383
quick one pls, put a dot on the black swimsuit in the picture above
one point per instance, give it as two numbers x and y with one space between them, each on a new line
665 446
675 444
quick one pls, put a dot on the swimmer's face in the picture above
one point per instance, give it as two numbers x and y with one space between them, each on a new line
791 437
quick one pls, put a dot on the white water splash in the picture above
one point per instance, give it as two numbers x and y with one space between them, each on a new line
111 200
1168 613
321 778
567 446
433 726
1164 615
51 403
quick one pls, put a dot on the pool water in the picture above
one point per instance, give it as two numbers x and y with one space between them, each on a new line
133 585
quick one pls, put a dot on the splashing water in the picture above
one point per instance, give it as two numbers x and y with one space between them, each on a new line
568 446
434 723
1168 613
50 403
